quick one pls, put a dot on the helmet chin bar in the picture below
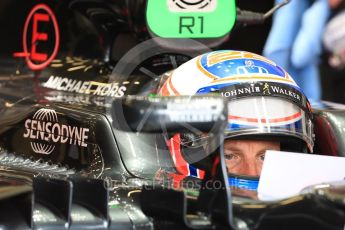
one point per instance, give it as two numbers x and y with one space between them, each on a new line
243 182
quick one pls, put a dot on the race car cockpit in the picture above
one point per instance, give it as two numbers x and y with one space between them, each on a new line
90 140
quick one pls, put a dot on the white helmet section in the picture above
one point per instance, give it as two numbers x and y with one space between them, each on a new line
185 80
223 67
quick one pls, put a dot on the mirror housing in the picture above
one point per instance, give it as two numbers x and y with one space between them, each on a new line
169 114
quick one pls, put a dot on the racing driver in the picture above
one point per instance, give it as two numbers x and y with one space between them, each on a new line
266 111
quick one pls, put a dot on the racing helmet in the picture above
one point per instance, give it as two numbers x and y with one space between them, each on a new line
264 102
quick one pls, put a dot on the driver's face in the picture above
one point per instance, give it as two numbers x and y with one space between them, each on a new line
246 157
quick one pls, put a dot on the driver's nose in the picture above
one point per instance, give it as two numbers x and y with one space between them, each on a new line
249 168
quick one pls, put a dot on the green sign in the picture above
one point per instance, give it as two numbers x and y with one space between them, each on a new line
191 18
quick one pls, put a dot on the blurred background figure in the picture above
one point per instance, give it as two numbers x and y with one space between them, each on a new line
294 41
333 66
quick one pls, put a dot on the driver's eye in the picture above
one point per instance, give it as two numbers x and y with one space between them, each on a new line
231 156
262 157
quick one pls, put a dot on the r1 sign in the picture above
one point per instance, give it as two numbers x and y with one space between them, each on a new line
191 18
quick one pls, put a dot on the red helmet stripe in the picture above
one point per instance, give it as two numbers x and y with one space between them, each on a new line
175 151
171 85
